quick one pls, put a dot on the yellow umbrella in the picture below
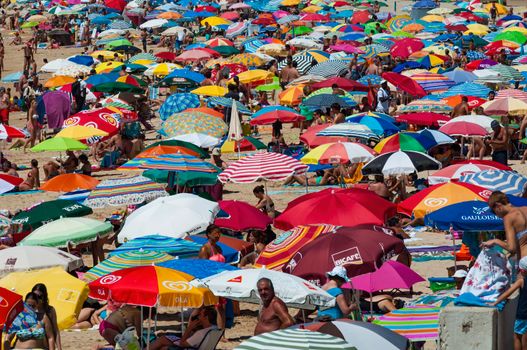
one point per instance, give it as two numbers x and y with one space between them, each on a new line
247 59
254 75
502 10
477 29
65 292
516 29
107 66
164 69
438 49
59 80
290 2
81 132
210 90
144 62
292 96
215 21
273 50
433 18
396 19
106 54
312 9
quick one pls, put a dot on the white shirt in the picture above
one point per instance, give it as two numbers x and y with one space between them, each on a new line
382 107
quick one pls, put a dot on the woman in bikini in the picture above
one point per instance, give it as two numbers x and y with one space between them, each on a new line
211 250
117 322
265 203
33 178
44 309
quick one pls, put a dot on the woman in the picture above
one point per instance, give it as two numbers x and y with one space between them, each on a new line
44 309
256 238
33 178
32 331
336 278
33 126
265 203
118 321
211 250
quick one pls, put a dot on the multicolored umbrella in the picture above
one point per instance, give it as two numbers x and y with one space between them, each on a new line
498 180
463 128
104 119
119 192
400 162
379 126
338 153
177 103
270 114
404 83
199 268
505 106
265 166
433 82
246 144
177 247
455 171
400 142
417 323
189 123
471 216
353 130
178 162
294 339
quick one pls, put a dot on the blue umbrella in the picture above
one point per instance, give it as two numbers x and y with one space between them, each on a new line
434 137
84 60
227 102
199 268
377 125
178 103
98 79
272 109
373 78
326 100
512 18
11 78
445 37
467 89
498 180
353 36
231 255
407 65
100 20
460 76
186 74
174 246
465 216
120 24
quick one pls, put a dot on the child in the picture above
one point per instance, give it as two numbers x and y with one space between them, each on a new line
520 325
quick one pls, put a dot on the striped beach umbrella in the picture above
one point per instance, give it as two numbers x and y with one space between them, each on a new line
498 180
120 24
417 323
176 103
433 82
425 106
162 244
235 29
374 79
178 162
399 163
507 72
192 122
125 260
294 339
330 68
515 93
374 50
265 166
505 106
353 130
227 102
303 63
338 153
119 192
467 89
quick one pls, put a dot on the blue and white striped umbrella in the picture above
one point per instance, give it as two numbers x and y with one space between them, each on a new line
349 130
373 78
329 68
467 89
142 56
178 103
303 63
374 50
498 180
476 55
251 46
227 102
120 25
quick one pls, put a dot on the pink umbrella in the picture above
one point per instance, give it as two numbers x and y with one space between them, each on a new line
405 47
194 55
463 129
231 15
314 17
455 171
515 93
280 13
347 48
242 216
239 6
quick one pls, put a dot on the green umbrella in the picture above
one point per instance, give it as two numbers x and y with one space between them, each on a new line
372 26
275 85
200 151
60 144
514 36
29 25
226 50
47 211
403 34
60 233
300 30
115 86
187 178
117 43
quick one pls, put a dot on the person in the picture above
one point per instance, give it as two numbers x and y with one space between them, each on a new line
493 13
86 165
32 331
144 37
461 108
336 114
274 314
514 222
4 107
44 309
33 126
118 321
33 178
216 158
321 178
520 324
459 277
265 203
288 74
336 278
71 163
383 98
499 142
211 250
28 56
379 187
256 238
201 322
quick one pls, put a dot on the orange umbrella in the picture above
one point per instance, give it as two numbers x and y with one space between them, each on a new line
59 80
292 96
160 150
413 28
206 110
70 182
169 15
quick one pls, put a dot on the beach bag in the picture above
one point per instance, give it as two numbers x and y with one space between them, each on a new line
490 275
127 340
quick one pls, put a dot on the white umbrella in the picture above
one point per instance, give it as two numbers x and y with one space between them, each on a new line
154 23
55 65
294 291
200 140
111 32
481 120
175 216
5 186
25 258
172 31
304 43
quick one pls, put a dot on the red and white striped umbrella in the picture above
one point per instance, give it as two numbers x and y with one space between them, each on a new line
266 166
455 171
515 93
8 182
11 132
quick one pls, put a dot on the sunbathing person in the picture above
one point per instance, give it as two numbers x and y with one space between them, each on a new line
51 169
33 178
380 303
320 178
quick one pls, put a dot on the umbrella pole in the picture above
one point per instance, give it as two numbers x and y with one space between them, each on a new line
307 183
141 338
177 183
371 306
182 322
149 328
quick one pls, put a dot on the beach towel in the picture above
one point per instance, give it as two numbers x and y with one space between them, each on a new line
469 299
490 276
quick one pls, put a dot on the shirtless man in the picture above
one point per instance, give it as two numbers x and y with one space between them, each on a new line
499 142
274 314
379 187
461 108
515 223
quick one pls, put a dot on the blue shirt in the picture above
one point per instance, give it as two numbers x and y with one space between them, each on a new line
333 312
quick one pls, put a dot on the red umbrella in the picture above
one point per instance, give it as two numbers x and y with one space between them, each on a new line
471 17
360 17
272 116
264 21
10 132
347 48
102 118
423 118
166 55
462 128
11 304
404 83
314 17
358 250
206 8
310 138
209 51
232 68
405 47
230 15
13 180
194 55
484 162
343 83
457 27
480 64
118 5
242 216
334 207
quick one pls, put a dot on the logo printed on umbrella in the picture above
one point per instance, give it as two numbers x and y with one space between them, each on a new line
178 286
3 302
349 256
485 194
109 279
309 286
435 202
236 279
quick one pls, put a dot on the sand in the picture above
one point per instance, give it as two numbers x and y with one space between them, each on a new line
244 324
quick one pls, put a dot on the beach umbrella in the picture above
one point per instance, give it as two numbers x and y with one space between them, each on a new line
254 76
304 63
507 72
151 286
343 83
401 142
65 231
48 211
178 162
441 195
338 153
352 130
242 216
210 90
480 64
127 191
425 106
294 338
65 293
245 144
10 132
362 335
200 140
404 83
270 114
178 75
310 138
329 68
480 120
455 171
194 55
463 128
473 101
104 119
8 182
358 250
241 285
58 80
81 132
400 162
423 118
189 123
26 258
292 96
69 182
12 305
515 93
379 126
433 82
491 163
125 260
498 180
468 216
175 216
265 166
232 248
405 47
505 106
174 146
12 77
176 103
59 144
162 244
199 268
460 76
417 323
332 206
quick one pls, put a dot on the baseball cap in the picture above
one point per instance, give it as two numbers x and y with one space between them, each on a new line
460 274
522 264
338 271
494 124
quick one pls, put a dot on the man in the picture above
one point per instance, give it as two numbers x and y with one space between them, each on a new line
144 37
28 55
499 142
491 96
461 108
383 98
514 222
274 314
288 74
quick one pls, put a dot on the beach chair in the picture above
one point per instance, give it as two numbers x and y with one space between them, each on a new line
211 340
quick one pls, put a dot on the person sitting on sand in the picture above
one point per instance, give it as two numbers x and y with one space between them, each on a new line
265 203
51 169
91 316
33 178
321 178
274 314
118 321
71 163
86 165
17 40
